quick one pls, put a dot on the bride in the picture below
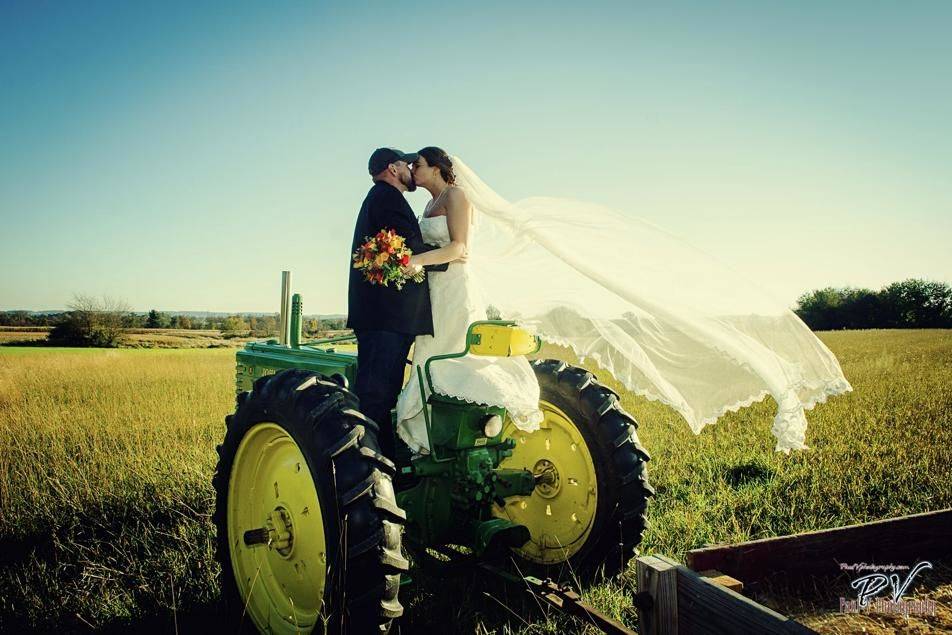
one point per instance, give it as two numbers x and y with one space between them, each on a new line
457 301
669 322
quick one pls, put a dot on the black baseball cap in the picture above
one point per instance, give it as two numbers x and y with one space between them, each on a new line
382 157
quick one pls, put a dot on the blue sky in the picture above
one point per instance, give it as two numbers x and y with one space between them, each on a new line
180 155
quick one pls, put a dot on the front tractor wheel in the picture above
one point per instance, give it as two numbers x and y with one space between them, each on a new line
586 514
308 528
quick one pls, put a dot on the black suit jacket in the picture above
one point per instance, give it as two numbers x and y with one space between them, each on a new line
382 308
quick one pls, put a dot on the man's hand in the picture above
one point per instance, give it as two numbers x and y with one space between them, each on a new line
411 270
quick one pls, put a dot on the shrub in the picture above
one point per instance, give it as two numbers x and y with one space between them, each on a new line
91 322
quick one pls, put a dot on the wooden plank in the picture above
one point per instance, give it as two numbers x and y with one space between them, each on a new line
572 603
562 598
705 607
723 579
659 579
896 540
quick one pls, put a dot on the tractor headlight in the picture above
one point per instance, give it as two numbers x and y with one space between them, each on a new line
493 426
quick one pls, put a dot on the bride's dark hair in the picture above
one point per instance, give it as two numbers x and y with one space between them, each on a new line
438 158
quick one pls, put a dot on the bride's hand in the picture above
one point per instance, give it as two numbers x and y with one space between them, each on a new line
464 256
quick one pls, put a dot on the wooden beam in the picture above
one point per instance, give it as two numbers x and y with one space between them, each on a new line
673 600
895 540
658 582
709 608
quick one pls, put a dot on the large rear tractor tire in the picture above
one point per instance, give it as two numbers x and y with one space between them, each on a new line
586 516
309 531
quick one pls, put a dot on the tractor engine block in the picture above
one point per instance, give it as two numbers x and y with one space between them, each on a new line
460 480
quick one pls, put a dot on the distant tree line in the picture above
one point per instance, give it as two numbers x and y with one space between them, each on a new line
26 318
260 325
101 322
910 304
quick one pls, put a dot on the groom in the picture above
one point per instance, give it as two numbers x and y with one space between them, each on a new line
384 319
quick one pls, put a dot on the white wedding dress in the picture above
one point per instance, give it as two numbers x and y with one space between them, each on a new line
457 301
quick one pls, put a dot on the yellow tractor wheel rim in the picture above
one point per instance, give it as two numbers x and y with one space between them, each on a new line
280 567
560 511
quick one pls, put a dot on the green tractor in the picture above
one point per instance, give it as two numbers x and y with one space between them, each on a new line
315 525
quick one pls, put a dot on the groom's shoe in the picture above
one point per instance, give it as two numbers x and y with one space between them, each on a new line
404 478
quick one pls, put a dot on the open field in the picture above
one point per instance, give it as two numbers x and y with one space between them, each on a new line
141 338
13 335
182 338
19 338
106 458
138 338
145 338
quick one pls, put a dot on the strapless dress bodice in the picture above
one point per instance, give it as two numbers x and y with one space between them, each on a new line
435 230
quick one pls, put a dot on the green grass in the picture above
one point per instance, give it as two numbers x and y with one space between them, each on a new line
106 459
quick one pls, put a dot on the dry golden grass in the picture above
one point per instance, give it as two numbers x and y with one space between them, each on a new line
103 418
139 338
21 335
106 459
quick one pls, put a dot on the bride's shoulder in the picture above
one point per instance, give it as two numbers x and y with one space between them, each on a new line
456 197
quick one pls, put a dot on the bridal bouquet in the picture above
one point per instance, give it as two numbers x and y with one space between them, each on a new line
382 258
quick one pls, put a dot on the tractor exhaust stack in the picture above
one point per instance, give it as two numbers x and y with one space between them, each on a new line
284 326
296 309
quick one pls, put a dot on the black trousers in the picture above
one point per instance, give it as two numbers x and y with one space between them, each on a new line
381 359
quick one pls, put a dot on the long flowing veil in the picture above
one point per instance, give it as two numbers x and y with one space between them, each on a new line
668 321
